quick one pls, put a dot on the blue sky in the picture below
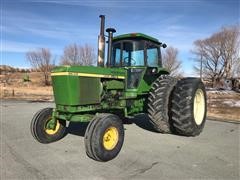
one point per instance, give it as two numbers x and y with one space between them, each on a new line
30 24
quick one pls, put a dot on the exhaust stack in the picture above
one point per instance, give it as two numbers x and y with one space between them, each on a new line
101 43
110 32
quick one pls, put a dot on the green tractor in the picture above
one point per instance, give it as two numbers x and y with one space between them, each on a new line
132 81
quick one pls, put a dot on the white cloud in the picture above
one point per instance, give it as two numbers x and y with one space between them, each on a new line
22 47
121 4
25 22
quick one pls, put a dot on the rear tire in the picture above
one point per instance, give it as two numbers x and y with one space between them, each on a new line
39 130
104 137
189 107
158 103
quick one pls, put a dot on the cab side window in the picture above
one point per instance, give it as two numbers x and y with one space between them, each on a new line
152 55
116 55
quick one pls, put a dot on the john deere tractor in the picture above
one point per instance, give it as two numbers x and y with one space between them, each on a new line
131 81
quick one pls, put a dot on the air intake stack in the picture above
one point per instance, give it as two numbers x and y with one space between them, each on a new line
101 43
110 32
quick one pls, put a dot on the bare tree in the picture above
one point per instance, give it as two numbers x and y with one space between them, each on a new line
78 55
41 59
236 68
171 61
218 54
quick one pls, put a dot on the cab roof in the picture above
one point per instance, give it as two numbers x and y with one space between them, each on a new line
136 35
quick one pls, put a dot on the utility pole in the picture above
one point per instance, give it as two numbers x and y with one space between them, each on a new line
201 67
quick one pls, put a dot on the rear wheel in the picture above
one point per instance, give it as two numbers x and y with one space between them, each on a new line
104 137
41 132
189 107
158 103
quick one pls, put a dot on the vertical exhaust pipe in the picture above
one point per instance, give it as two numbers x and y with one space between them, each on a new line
110 32
101 43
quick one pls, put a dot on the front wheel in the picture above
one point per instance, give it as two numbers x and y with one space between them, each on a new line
41 132
189 107
104 137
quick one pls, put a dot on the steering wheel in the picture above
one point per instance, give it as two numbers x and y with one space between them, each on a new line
132 61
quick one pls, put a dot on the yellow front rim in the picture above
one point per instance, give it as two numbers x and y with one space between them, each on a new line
110 138
199 106
53 131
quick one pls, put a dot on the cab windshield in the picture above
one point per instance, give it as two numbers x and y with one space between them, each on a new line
135 53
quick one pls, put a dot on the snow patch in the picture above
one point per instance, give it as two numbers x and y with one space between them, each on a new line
221 91
232 103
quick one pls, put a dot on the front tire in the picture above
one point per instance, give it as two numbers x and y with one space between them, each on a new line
189 107
104 137
39 128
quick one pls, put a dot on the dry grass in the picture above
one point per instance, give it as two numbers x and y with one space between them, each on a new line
17 89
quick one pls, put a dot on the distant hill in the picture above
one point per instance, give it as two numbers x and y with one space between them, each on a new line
9 69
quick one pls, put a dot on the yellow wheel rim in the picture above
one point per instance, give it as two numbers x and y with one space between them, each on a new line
53 131
199 106
110 138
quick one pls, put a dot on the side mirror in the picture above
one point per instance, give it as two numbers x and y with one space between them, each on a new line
164 45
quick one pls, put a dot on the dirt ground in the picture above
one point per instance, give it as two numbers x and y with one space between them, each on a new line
222 105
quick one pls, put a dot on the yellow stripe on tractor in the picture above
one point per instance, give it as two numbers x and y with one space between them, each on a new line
86 75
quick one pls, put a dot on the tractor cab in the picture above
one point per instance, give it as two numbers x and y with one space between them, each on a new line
135 50
139 54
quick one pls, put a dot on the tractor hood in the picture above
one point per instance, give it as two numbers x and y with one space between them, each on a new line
81 85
